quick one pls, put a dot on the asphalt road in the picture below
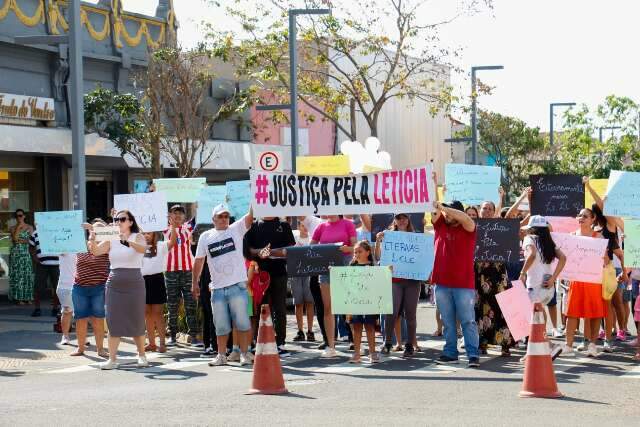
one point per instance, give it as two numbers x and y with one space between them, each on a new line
41 385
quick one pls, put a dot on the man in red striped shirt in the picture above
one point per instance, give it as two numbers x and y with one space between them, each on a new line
178 277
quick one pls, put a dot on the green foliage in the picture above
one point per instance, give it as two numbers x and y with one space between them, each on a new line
112 115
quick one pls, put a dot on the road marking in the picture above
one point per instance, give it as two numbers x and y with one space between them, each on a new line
633 373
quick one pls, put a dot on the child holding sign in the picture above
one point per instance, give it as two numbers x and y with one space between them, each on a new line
362 257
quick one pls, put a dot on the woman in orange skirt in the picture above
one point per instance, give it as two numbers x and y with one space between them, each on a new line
585 299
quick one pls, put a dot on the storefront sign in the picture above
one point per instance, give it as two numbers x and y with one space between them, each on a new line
26 107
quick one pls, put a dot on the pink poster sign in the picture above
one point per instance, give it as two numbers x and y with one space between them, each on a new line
517 309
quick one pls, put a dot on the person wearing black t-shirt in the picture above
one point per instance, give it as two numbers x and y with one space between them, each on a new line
266 242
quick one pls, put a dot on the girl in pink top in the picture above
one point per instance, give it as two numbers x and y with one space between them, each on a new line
334 230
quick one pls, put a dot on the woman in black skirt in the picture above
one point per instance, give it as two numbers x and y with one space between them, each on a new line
154 264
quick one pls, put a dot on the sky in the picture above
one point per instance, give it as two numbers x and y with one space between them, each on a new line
552 50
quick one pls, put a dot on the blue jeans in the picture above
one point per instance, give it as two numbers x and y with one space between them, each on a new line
230 304
458 303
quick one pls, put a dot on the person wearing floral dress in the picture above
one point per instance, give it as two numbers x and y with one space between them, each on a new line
20 265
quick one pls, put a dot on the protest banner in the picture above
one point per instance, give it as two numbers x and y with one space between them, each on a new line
312 260
406 190
239 197
149 209
472 184
361 290
209 198
563 224
632 243
556 195
410 254
497 239
323 165
381 222
584 257
180 190
517 309
110 232
623 194
60 232
600 187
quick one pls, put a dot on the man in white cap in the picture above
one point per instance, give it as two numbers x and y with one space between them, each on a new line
222 247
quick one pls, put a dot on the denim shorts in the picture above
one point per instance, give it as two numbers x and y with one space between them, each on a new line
88 301
66 303
229 304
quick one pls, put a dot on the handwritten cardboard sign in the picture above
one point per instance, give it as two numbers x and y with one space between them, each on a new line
149 209
497 240
323 165
60 232
180 190
472 184
563 224
110 232
410 254
312 260
517 309
239 197
584 257
557 195
361 290
209 198
623 194
600 186
632 243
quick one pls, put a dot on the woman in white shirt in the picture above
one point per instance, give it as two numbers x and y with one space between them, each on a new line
154 265
125 292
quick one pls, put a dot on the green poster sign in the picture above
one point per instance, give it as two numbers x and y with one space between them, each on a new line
361 290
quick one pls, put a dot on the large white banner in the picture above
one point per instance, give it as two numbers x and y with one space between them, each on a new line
149 209
280 194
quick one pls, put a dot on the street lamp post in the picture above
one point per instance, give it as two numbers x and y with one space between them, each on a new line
474 109
74 39
293 80
551 107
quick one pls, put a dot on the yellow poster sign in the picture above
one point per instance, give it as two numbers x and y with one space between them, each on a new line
600 185
323 165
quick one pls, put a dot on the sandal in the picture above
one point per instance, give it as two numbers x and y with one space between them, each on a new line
103 353
399 347
150 347
354 359
637 357
162 349
77 353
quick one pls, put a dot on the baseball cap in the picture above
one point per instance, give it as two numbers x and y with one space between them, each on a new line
177 208
536 221
454 205
221 208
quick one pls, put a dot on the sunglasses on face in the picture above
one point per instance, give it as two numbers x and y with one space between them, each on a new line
121 219
20 216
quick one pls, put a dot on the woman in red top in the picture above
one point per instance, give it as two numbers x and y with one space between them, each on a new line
334 230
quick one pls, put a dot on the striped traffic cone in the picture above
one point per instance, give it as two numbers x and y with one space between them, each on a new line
267 372
539 378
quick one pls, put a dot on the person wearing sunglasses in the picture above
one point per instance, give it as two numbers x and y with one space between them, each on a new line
20 266
222 247
125 289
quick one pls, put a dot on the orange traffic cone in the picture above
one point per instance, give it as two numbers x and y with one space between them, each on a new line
267 372
539 378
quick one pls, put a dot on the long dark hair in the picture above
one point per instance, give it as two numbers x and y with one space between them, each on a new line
134 225
394 227
545 243
600 219
367 247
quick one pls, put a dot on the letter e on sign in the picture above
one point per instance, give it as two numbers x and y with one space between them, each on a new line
269 161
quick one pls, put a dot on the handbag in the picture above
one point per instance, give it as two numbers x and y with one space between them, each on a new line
609 282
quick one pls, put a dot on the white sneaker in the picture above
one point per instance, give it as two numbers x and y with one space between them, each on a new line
244 359
65 340
108 365
592 350
557 333
234 356
567 351
606 347
220 360
583 346
249 356
142 362
329 352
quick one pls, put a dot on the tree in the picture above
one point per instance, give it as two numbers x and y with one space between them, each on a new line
516 148
172 118
579 151
349 60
